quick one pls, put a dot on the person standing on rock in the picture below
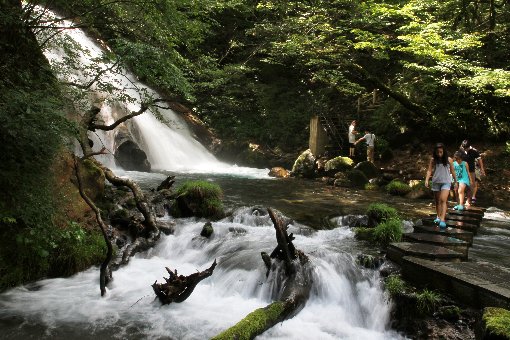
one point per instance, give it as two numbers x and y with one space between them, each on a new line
352 138
369 138
441 169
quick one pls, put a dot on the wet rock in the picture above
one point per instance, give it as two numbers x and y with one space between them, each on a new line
237 230
279 172
120 218
207 230
166 227
166 184
357 178
369 261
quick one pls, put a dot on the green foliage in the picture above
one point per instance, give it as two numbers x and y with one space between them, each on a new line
398 188
427 301
395 285
380 212
507 148
388 231
198 198
27 254
497 321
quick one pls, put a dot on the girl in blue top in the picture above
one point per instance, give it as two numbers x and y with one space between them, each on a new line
464 178
441 170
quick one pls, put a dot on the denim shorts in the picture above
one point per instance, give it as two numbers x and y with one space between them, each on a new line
441 186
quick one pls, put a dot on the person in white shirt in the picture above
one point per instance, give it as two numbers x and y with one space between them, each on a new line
352 138
369 138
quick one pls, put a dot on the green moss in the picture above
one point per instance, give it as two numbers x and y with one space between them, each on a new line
338 164
371 187
362 233
198 198
379 212
395 285
254 323
398 188
427 301
388 231
497 321
207 230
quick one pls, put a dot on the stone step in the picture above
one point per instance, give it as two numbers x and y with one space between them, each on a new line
478 284
452 224
448 242
463 235
396 251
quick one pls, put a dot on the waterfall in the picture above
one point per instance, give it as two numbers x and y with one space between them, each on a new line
167 141
346 302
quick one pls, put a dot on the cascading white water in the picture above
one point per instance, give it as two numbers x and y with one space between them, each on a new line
346 302
169 146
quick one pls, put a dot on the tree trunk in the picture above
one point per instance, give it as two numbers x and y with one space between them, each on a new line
298 284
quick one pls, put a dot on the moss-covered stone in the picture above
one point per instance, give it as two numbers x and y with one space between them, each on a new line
363 233
207 230
337 164
388 231
379 212
496 323
198 198
368 168
304 166
254 323
93 179
398 188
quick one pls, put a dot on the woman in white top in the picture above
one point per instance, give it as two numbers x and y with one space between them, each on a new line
352 138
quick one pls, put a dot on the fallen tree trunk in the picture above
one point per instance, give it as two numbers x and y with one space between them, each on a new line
179 287
297 283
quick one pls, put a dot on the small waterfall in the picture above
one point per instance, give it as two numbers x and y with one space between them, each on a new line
168 142
346 302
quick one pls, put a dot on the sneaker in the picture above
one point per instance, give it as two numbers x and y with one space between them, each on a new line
457 207
437 220
460 207
473 200
442 225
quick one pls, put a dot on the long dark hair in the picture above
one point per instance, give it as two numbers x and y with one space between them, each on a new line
438 159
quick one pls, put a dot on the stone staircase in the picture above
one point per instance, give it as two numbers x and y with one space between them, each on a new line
430 242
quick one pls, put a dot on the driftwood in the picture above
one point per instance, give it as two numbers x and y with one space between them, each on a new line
103 271
179 287
297 289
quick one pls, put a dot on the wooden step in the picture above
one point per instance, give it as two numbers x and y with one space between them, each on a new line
466 213
467 219
472 208
448 242
452 224
396 251
448 231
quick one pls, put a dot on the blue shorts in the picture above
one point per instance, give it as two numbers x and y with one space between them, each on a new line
441 186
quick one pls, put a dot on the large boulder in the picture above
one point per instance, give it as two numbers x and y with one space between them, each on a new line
129 156
304 166
368 168
338 164
357 178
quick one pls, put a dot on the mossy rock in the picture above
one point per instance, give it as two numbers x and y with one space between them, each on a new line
93 180
496 323
357 178
198 198
388 231
369 261
371 187
368 168
379 212
338 164
363 233
207 230
398 188
304 166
